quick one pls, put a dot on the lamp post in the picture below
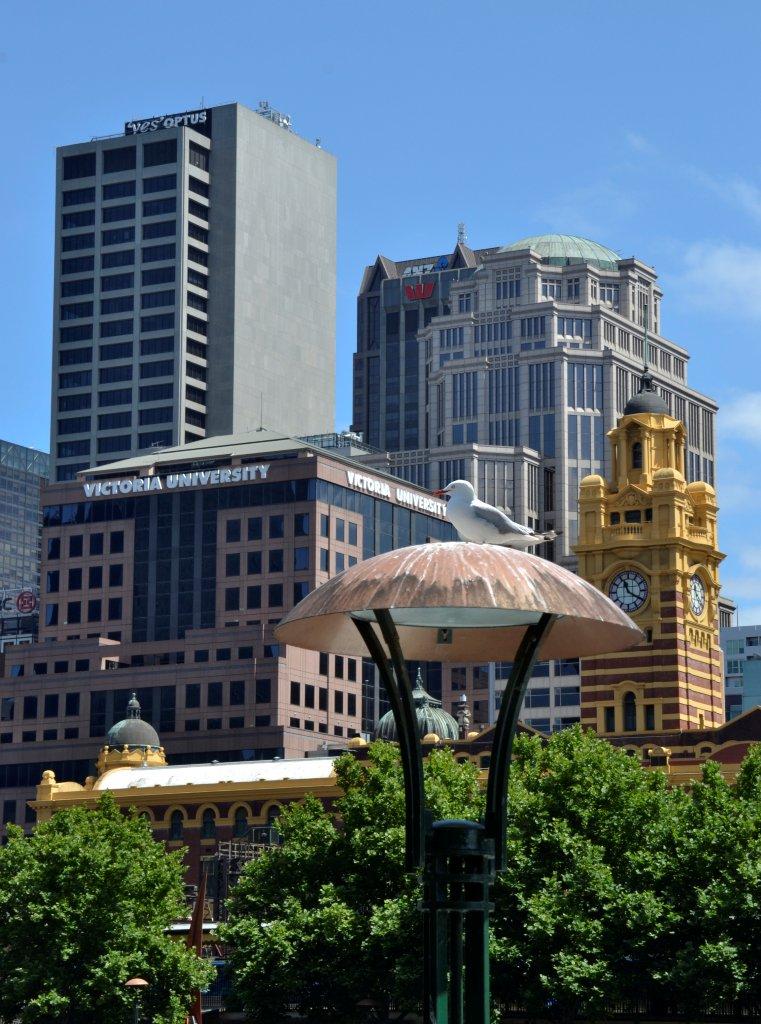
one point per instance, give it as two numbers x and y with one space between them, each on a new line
136 987
457 602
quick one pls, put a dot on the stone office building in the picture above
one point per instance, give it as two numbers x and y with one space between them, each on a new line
507 367
209 231
167 573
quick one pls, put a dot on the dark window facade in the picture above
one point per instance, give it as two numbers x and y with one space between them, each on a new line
163 152
80 166
122 159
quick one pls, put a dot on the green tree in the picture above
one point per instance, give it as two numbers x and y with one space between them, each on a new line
581 904
330 917
618 888
84 902
714 879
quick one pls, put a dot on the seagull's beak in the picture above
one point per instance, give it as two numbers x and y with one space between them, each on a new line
440 494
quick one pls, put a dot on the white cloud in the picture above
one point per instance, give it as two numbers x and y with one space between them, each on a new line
747 196
736 497
593 211
738 192
723 278
741 417
639 143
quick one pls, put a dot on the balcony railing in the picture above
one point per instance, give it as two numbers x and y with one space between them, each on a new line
625 530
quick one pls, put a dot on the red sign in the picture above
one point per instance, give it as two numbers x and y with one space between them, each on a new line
26 602
419 291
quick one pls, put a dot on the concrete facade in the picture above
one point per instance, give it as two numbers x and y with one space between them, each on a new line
277 279
194 286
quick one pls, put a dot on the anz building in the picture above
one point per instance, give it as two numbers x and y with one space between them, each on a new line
507 367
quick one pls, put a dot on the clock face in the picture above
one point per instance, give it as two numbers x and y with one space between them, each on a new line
697 595
628 590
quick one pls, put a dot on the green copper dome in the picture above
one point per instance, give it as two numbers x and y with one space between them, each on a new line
430 718
562 250
132 731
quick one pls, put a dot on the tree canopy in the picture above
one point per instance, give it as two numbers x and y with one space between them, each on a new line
618 888
330 917
84 902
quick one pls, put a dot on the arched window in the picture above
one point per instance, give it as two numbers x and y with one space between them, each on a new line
175 825
240 828
273 814
637 455
630 712
208 824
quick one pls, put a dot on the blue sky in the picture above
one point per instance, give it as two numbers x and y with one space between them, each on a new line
635 125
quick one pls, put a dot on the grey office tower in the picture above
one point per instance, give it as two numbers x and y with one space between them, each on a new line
194 285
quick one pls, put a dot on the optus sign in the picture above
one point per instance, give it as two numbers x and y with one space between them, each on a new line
198 119
17 602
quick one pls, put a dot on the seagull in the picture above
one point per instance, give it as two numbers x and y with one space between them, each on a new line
476 521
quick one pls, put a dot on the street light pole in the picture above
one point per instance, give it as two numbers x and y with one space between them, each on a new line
457 603
136 987
459 859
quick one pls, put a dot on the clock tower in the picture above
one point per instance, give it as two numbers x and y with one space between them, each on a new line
648 540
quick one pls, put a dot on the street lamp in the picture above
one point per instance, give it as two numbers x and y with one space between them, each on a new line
136 987
457 602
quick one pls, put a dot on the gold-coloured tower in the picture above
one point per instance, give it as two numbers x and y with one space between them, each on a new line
648 540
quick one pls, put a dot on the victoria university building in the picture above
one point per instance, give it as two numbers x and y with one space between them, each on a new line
166 574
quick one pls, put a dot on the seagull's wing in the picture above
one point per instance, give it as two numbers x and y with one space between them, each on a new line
498 519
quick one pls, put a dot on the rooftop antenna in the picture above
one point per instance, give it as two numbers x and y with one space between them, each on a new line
646 382
261 410
462 234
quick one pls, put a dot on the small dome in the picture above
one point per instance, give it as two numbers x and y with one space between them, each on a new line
431 718
132 731
700 487
593 480
564 250
667 473
647 399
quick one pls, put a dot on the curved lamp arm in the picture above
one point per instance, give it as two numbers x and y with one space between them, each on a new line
397 683
495 818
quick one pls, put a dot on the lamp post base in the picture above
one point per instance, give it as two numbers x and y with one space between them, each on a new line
459 873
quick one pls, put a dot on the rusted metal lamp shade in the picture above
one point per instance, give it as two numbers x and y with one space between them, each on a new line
484 594
457 602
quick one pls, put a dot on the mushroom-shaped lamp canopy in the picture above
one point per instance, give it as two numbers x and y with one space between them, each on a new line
460 602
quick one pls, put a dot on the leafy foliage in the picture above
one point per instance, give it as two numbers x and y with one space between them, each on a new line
331 918
617 888
84 902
